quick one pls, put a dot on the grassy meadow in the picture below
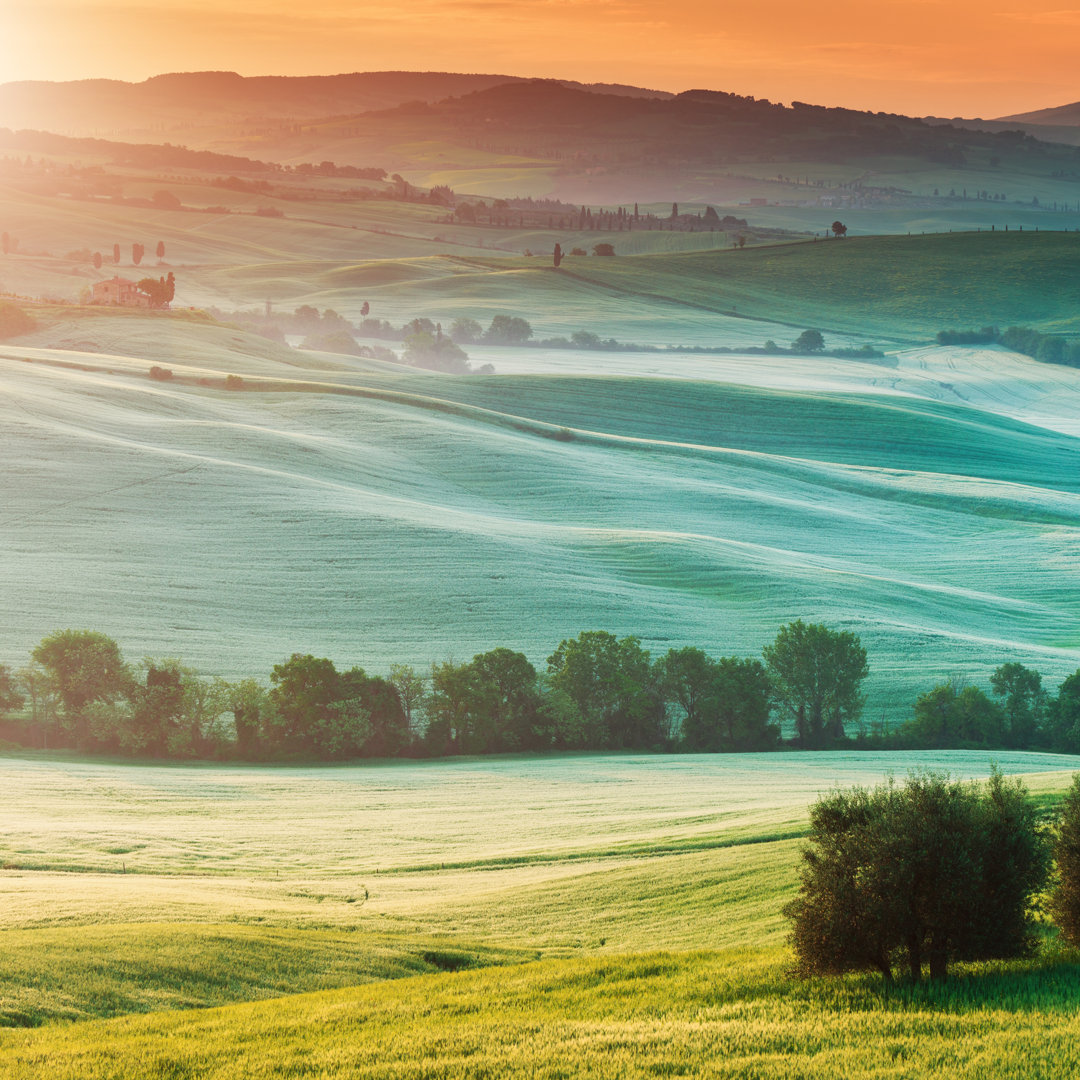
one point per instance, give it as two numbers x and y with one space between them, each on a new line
616 915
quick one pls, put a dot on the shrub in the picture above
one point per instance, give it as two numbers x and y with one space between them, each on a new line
161 374
1065 899
234 382
934 871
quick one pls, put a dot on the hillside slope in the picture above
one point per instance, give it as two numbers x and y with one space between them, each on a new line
377 519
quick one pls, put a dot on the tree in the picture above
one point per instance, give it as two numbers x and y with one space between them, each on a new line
505 684
465 331
365 309
411 692
816 674
1063 716
116 254
97 260
387 725
611 689
928 873
159 290
507 330
603 249
85 667
1065 898
40 688
249 704
1023 702
10 698
724 704
435 353
161 249
317 710
137 253
557 256
809 341
839 229
953 715
450 709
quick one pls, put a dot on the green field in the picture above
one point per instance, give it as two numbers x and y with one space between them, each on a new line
373 514
616 915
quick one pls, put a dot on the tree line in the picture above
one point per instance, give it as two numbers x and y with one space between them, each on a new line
1048 348
597 692
1018 714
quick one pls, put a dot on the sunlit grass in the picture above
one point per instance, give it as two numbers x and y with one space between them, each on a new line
702 1014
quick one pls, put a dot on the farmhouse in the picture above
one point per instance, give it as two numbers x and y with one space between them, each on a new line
119 292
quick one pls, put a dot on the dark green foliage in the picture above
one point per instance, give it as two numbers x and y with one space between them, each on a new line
1063 716
317 709
988 335
724 703
955 716
603 249
839 229
816 674
160 374
612 695
1023 702
809 341
1044 347
1065 899
925 874
158 705
249 704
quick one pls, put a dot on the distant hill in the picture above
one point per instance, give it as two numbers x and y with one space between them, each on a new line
1062 115
166 103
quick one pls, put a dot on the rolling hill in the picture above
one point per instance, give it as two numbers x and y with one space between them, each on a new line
378 516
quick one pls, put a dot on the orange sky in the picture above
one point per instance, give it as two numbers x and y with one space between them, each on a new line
948 57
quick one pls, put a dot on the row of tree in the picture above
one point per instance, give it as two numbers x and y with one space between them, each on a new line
1021 715
1022 339
597 692
138 252
931 872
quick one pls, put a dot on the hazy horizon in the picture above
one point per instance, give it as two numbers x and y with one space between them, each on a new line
918 57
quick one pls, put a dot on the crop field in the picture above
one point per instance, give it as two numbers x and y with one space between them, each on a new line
374 514
620 913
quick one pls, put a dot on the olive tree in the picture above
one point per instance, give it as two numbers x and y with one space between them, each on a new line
919 875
